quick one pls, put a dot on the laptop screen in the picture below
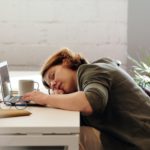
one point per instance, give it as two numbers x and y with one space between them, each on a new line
5 81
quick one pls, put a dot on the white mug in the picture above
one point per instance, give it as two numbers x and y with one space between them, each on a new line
26 86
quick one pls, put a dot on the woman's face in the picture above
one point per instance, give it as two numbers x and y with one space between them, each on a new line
61 78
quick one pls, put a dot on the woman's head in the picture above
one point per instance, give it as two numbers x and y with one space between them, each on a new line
60 68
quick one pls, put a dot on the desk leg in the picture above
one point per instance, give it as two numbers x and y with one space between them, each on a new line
72 145
71 148
66 148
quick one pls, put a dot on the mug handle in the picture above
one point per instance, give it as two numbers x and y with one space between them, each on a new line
37 89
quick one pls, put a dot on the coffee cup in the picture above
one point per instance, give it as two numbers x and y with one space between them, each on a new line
26 86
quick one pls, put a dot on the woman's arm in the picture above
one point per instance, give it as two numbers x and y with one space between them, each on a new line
76 101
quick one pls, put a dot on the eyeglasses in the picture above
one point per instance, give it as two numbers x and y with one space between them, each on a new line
8 104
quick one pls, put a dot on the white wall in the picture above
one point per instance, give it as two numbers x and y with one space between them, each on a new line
30 30
138 29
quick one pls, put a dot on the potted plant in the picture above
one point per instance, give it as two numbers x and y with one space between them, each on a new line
141 74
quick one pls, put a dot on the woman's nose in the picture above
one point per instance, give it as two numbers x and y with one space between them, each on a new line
53 84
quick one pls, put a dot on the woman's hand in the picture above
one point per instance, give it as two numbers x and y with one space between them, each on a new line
37 97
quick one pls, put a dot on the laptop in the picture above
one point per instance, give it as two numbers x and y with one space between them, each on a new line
5 86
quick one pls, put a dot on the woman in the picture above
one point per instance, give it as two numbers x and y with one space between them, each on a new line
115 112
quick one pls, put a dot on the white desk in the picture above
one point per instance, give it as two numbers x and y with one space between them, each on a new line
44 127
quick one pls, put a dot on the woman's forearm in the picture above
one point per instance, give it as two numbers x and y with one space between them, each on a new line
75 101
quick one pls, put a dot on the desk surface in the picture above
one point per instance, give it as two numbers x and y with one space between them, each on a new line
44 127
42 120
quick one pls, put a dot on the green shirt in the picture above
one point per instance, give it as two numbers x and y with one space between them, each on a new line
121 109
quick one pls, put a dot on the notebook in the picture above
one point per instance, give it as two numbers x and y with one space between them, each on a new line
5 86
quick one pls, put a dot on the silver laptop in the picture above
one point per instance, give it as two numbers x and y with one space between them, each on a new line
5 86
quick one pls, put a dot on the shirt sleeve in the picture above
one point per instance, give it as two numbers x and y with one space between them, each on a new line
95 82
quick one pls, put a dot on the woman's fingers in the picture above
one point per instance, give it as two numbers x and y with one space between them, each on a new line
36 96
27 96
57 91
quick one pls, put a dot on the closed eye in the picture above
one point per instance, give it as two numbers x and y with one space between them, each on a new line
51 76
